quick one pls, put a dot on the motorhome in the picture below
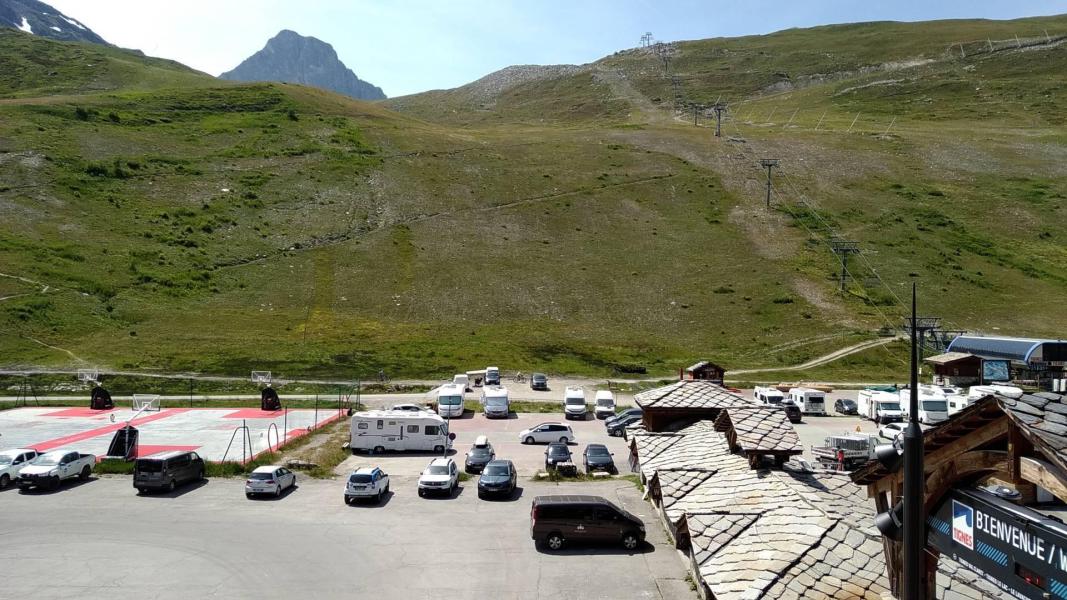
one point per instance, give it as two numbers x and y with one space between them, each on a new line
768 396
604 404
809 401
956 403
574 403
880 407
933 406
450 400
398 430
495 403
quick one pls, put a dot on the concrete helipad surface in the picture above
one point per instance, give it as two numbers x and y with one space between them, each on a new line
208 431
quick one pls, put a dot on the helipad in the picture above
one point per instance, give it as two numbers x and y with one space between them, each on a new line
208 431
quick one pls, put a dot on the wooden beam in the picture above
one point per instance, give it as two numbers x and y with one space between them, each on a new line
1044 474
963 466
978 437
1018 446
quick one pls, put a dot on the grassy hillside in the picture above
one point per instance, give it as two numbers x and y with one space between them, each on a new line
159 219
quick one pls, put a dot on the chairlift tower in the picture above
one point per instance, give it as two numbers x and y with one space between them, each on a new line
719 109
843 248
769 163
921 325
646 39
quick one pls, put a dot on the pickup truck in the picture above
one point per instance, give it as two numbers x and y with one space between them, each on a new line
12 462
52 468
847 451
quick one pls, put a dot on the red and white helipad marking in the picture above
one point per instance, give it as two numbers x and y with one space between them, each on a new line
205 430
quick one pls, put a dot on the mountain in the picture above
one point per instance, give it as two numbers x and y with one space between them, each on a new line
558 219
292 58
41 19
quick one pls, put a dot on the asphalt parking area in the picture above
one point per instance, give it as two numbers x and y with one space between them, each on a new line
504 436
100 539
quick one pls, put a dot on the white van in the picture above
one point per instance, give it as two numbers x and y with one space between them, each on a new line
768 396
495 403
933 406
398 430
574 403
604 404
462 380
809 401
492 376
450 400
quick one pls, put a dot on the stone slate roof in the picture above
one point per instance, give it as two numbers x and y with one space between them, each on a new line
759 429
1042 417
696 447
691 394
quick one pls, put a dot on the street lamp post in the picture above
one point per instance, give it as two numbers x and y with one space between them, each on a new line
914 540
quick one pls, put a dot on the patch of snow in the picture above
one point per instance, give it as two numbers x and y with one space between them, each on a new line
57 29
72 22
26 26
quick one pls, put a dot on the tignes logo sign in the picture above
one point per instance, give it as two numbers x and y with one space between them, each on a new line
963 524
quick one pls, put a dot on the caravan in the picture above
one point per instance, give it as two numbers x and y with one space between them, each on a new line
768 396
398 430
809 401
450 400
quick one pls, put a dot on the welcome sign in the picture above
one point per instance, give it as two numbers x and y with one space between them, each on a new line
1017 549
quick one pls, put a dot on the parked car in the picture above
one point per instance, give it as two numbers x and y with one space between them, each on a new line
792 411
547 432
629 412
616 427
269 479
892 431
368 482
12 462
596 457
539 381
51 469
167 471
441 475
410 408
844 406
498 478
559 520
555 453
479 455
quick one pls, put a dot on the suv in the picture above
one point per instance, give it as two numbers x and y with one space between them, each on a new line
368 482
441 475
598 457
539 381
547 432
792 411
844 406
555 453
498 477
559 520
166 471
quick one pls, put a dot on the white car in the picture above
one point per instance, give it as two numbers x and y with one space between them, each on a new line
441 475
270 479
892 431
368 482
12 462
546 433
409 408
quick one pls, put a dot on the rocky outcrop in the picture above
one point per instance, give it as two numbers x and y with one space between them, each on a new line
41 19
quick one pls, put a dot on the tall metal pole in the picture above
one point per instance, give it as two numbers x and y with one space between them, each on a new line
914 542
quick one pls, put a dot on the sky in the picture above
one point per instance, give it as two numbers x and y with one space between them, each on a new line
408 46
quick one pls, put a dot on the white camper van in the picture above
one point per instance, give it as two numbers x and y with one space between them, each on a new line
768 396
398 430
933 406
879 406
450 400
495 404
810 402
574 403
604 404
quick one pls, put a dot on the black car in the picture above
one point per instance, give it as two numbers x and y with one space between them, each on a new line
616 427
626 414
497 479
539 381
477 458
844 406
792 411
166 471
597 458
555 453
559 520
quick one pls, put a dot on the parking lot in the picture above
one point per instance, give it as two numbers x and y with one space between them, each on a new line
97 539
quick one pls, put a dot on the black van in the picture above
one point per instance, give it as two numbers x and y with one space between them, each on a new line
559 520
166 471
